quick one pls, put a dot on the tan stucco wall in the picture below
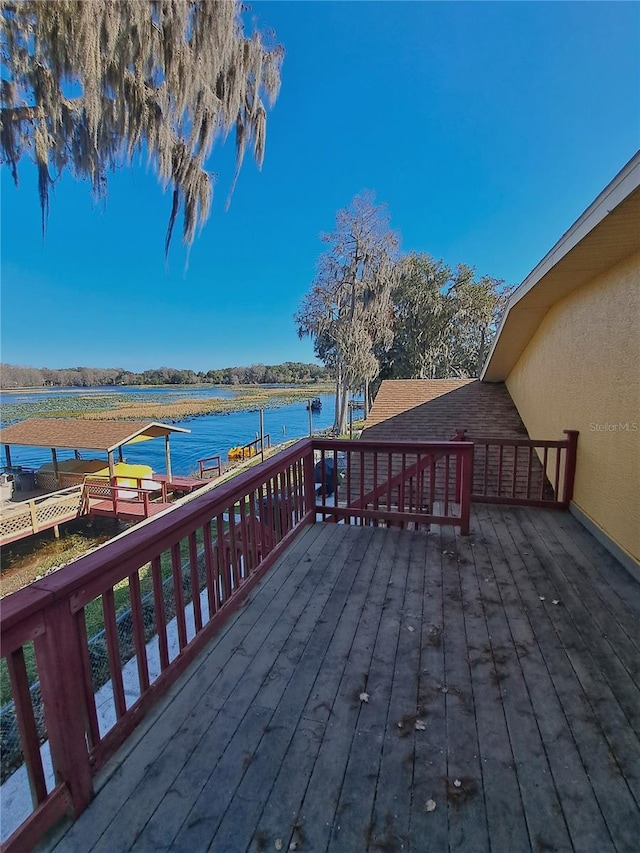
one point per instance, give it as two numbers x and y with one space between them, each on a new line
581 370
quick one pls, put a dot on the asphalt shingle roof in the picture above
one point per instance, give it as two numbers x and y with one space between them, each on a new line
434 409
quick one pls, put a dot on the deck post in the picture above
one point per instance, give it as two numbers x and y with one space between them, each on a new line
570 465
7 455
262 435
112 469
61 682
466 457
56 470
167 456
309 482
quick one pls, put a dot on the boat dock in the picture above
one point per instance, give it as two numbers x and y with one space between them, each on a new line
66 490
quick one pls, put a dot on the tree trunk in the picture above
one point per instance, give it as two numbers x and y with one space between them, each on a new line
336 417
343 411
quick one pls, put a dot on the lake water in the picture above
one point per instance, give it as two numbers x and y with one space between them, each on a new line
210 434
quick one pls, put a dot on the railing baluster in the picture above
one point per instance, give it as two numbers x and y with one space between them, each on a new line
500 456
195 582
389 478
158 602
544 471
432 483
295 485
138 631
253 532
485 482
29 739
222 584
556 486
212 583
178 594
376 500
447 473
362 477
529 464
515 471
113 651
233 550
287 498
92 729
244 542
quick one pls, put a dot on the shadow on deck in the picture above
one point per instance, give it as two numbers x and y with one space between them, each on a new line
375 672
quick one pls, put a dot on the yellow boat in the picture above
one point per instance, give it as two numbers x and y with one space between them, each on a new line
237 454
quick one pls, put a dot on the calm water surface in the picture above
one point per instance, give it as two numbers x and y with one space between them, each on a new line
210 434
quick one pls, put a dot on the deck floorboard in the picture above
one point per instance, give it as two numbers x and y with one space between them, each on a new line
374 670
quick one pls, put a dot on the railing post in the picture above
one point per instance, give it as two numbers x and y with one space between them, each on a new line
465 456
309 482
61 670
570 465
459 435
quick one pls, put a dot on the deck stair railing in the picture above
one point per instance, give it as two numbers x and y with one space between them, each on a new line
395 483
178 578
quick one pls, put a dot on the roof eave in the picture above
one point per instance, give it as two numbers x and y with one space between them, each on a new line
626 182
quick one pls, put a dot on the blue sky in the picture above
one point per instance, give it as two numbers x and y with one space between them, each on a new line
486 127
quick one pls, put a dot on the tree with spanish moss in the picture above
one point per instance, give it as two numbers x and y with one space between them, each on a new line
444 320
86 86
347 311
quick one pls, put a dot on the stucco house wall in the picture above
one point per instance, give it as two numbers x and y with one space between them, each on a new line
581 370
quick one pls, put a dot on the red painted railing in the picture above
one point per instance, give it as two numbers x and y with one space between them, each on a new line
210 470
395 483
120 496
117 627
524 472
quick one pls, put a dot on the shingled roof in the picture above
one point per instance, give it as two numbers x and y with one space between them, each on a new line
434 409
82 435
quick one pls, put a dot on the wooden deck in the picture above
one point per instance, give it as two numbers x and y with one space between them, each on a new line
502 674
127 510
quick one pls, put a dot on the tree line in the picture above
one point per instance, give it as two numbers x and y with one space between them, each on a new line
290 372
375 313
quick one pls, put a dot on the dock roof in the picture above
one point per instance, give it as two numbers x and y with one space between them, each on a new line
73 434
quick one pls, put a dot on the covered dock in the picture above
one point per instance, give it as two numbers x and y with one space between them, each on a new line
104 487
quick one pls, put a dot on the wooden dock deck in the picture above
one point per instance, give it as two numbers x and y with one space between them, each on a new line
376 673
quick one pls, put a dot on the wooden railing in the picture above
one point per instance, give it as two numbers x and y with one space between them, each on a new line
121 495
525 472
210 470
253 448
147 603
395 483
25 518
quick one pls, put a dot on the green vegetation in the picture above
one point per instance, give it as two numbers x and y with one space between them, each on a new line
288 373
161 406
374 314
94 619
